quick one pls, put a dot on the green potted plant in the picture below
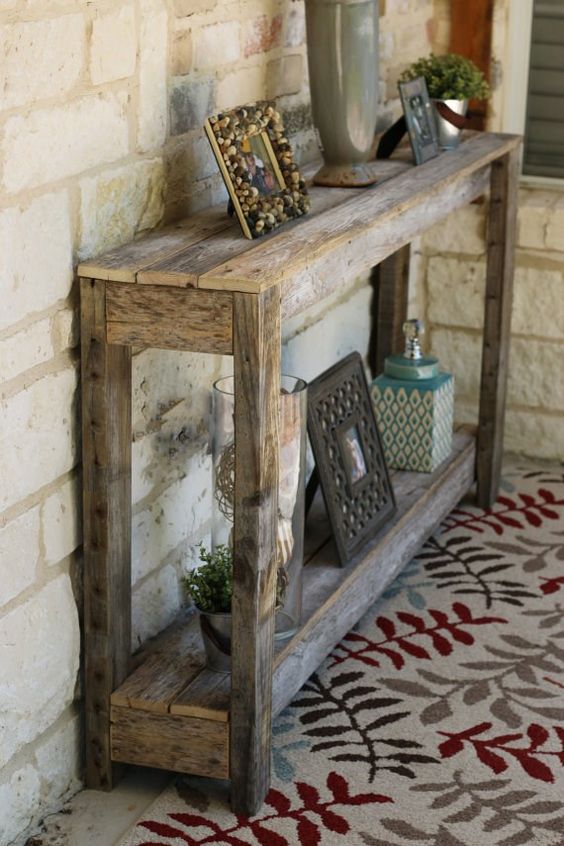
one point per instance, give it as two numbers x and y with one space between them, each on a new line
453 80
210 586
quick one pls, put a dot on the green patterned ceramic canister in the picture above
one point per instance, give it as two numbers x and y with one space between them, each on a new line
414 405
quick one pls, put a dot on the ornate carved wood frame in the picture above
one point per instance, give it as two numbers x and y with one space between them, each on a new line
235 137
349 456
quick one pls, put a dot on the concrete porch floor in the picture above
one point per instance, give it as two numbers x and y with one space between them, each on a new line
95 818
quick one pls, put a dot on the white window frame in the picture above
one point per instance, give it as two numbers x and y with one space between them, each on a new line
516 80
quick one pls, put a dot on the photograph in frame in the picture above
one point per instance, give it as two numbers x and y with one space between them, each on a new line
420 119
256 161
349 456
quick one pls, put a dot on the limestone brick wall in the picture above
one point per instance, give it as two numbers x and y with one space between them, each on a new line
448 290
100 134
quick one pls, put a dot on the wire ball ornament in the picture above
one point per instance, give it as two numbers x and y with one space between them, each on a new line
225 497
225 482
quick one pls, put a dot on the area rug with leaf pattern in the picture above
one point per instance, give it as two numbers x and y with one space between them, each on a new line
439 720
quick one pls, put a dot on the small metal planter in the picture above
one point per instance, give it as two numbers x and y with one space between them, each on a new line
216 634
449 135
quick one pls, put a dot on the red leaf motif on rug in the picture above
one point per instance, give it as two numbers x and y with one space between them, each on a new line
552 585
308 832
527 756
530 511
434 635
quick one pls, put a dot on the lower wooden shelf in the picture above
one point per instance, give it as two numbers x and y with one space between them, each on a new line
173 713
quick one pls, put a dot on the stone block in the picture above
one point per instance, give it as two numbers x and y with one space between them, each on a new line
464 231
45 145
26 349
19 553
162 379
538 305
262 34
295 31
176 517
555 228
152 105
182 52
59 764
155 603
535 434
61 522
65 329
332 333
285 75
113 45
19 793
40 661
118 204
191 102
459 353
241 86
37 436
188 162
536 374
531 227
456 291
217 45
41 59
35 256
185 8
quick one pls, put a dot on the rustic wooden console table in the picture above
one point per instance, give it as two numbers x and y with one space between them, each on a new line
201 286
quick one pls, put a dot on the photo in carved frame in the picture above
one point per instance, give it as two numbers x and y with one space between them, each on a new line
349 456
420 119
257 164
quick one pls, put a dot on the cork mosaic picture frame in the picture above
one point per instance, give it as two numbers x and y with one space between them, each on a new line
349 455
257 164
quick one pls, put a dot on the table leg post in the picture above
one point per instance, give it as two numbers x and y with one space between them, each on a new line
497 325
389 312
256 349
106 460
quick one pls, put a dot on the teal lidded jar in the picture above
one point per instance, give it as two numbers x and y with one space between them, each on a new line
414 406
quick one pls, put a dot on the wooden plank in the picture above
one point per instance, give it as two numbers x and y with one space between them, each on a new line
156 683
207 696
123 263
185 268
170 318
342 232
106 459
256 350
497 324
335 599
324 271
471 35
174 659
391 295
170 742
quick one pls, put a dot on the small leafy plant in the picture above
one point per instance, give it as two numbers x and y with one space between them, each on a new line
449 77
211 584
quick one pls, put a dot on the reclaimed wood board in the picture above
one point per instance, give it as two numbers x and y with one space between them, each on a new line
106 449
170 318
207 696
124 263
256 348
173 661
343 232
170 742
497 324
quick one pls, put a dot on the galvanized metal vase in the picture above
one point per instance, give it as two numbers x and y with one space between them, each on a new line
342 43
449 135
